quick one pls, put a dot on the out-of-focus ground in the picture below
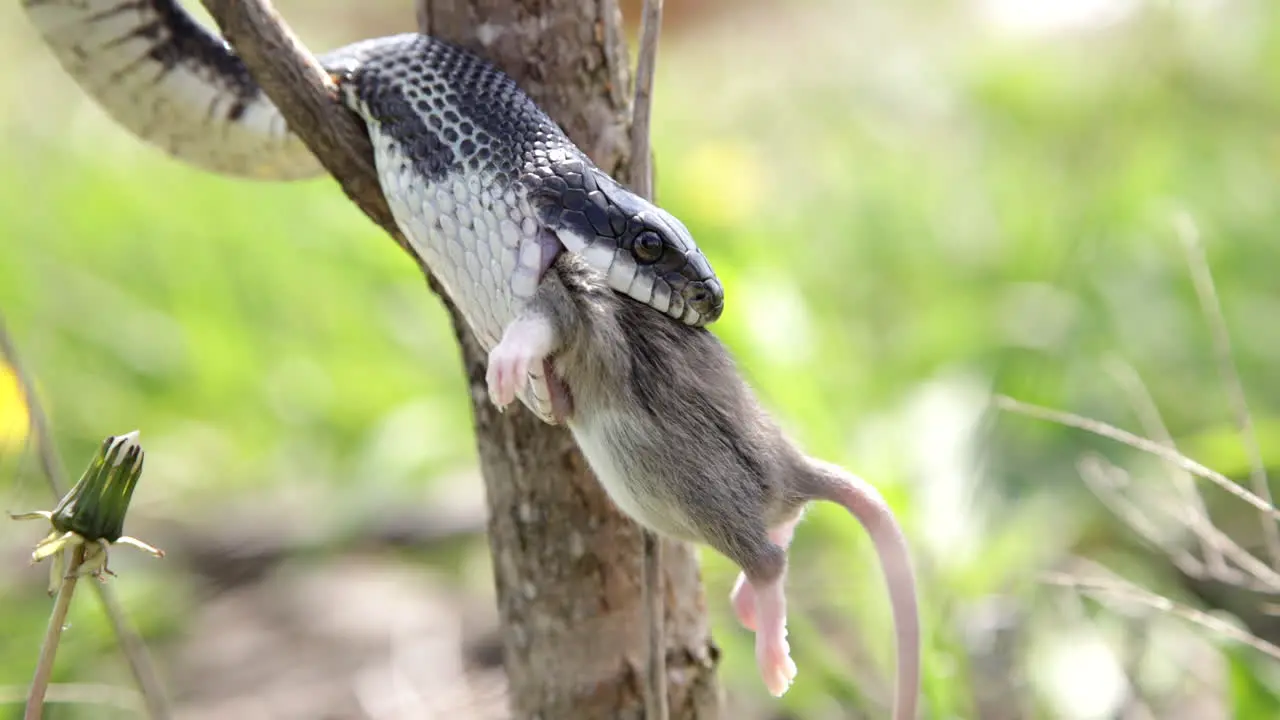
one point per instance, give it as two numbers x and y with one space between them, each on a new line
912 205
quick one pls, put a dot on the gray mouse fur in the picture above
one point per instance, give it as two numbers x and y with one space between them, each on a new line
682 445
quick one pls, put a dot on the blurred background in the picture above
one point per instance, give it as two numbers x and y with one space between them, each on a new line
913 205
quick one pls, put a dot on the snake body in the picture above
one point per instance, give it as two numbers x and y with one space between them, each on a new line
483 184
165 78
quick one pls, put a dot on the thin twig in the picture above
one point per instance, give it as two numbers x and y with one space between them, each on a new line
135 653
1253 574
131 644
1261 578
1138 443
1195 514
642 105
115 696
655 698
36 419
52 636
1137 595
1103 478
655 695
1217 546
1202 278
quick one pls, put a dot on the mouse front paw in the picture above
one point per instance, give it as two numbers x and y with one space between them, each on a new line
524 344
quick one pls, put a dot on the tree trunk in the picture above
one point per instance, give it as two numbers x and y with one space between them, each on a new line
567 564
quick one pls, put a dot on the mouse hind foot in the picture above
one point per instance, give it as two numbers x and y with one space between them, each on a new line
773 653
761 603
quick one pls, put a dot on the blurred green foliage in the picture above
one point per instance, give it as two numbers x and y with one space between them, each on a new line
911 206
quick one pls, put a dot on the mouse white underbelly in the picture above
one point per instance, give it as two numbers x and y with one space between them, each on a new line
604 439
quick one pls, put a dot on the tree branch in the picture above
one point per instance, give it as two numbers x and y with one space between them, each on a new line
655 696
295 82
642 106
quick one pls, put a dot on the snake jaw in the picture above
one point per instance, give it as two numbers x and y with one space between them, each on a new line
643 250
681 286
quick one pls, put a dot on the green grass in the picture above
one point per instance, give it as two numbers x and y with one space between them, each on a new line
907 209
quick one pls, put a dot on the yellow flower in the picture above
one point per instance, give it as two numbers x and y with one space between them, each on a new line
13 409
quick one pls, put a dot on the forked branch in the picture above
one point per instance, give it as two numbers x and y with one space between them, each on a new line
294 81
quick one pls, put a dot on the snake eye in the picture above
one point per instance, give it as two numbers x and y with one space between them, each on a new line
648 247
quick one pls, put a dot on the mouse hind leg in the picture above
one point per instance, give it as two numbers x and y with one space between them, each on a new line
764 566
743 596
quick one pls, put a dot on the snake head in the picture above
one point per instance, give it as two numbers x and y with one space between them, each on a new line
662 247
643 250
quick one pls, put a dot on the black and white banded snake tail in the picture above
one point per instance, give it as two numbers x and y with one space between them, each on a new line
486 187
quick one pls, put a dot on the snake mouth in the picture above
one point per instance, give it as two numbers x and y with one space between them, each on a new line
643 250
676 286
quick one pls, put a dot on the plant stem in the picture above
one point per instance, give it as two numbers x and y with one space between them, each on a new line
52 635
135 652
131 643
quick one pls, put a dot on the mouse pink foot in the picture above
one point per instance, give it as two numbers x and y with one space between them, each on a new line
773 654
773 657
526 341
743 598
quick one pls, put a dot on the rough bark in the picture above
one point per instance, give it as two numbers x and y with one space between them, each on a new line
567 564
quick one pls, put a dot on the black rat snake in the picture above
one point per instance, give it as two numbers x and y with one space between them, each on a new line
483 184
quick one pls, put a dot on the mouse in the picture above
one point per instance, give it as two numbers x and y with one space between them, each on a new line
682 445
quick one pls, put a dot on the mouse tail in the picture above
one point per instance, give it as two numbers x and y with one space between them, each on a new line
835 484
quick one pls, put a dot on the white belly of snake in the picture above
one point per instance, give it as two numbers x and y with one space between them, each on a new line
486 188
481 241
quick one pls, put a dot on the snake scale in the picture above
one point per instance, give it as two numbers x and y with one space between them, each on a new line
483 184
